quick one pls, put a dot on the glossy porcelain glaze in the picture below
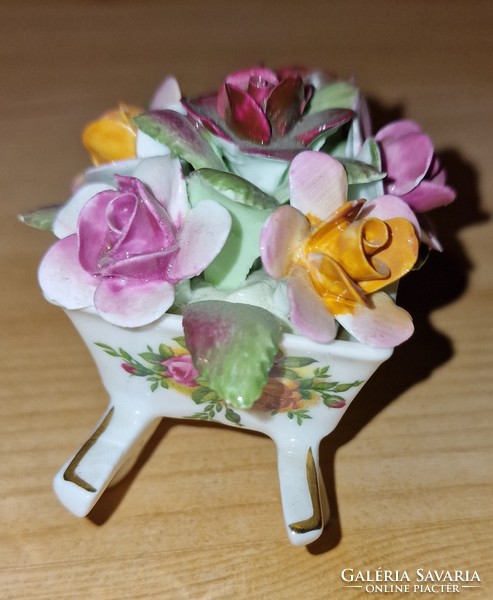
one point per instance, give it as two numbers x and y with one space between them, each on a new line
148 375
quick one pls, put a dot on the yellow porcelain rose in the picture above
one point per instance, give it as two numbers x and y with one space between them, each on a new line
337 256
113 136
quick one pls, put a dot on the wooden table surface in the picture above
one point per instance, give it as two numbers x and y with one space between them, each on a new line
409 470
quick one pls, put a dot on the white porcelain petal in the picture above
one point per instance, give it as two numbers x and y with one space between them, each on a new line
307 310
132 303
281 234
66 220
382 324
147 147
62 279
167 94
164 177
201 238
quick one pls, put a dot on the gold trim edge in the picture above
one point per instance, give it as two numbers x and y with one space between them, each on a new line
315 521
70 472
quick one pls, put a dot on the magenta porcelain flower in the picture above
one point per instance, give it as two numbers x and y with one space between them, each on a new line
264 112
338 256
180 368
256 104
414 172
124 249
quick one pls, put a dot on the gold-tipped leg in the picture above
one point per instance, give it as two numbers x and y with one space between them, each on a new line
315 522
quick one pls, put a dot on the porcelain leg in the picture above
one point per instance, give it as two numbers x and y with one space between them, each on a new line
111 451
303 496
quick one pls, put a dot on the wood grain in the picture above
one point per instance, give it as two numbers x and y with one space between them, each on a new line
409 470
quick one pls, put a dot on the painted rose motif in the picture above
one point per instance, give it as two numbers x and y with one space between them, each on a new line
296 384
180 368
338 255
280 395
124 249
414 172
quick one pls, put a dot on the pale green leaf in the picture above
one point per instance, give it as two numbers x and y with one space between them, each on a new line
41 218
230 268
359 172
236 188
339 94
174 130
233 346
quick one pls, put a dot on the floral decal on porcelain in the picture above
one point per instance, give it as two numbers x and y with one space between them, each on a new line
295 384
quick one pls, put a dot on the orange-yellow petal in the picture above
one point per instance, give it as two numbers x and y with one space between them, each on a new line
321 237
113 136
399 255
338 291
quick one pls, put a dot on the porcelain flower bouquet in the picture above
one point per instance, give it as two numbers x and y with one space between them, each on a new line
234 257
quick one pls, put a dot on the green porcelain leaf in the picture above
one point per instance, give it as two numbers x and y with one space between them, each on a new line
372 188
370 153
236 188
230 268
42 218
339 94
233 346
184 140
360 172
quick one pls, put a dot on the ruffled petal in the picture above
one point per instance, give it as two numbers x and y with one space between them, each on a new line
284 105
406 161
243 79
132 303
62 279
397 129
201 238
93 230
339 292
381 323
245 117
164 177
145 267
398 257
307 310
136 223
388 207
317 183
67 217
429 195
283 231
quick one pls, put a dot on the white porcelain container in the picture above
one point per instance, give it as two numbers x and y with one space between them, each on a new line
148 374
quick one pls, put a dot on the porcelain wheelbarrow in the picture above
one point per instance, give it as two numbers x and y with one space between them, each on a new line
149 375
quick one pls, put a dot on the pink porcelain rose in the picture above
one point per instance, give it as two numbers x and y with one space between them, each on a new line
123 249
414 172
